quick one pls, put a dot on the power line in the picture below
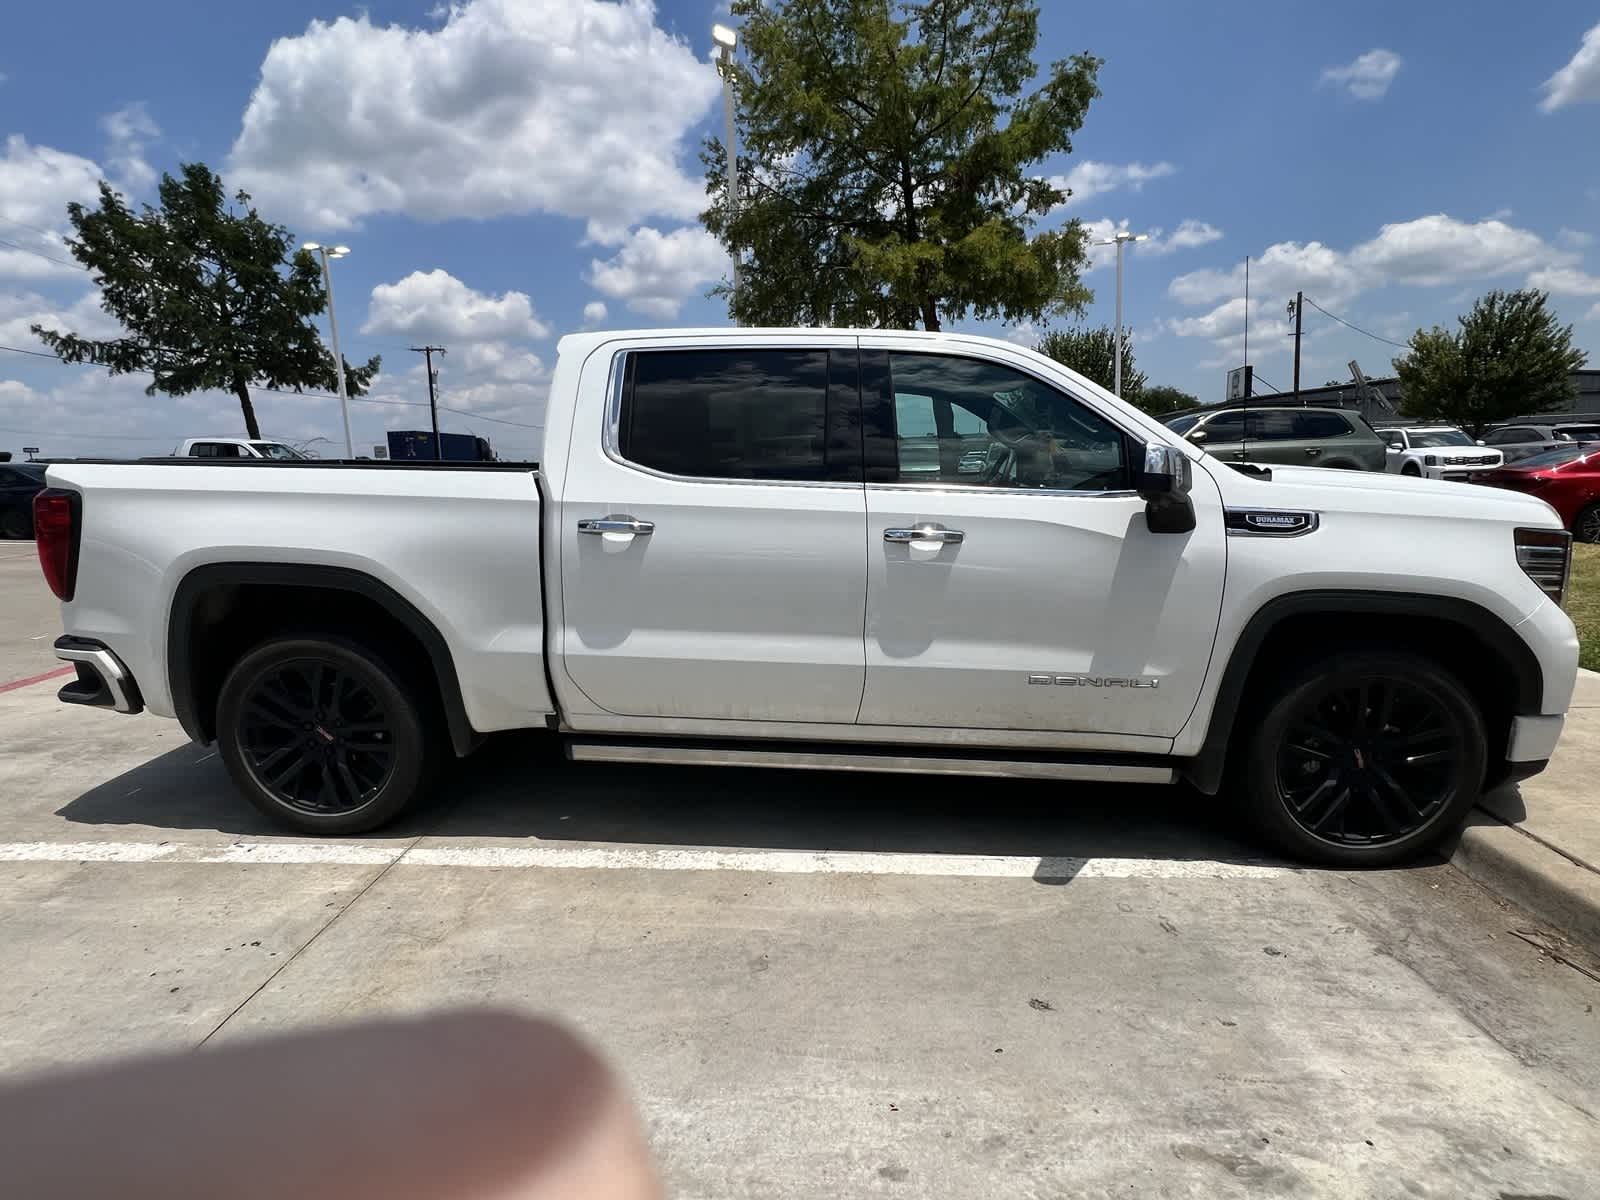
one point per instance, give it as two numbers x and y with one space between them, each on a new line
43 255
1375 337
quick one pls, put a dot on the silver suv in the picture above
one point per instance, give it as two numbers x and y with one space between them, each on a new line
1290 436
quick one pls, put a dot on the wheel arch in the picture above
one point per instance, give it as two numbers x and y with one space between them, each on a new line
1500 668
208 596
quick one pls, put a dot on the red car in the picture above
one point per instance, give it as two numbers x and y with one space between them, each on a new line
1567 479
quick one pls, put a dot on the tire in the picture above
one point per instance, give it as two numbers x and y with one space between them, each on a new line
1329 773
16 525
324 736
1411 469
1586 525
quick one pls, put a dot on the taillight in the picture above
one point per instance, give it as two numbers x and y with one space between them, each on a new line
55 532
1545 556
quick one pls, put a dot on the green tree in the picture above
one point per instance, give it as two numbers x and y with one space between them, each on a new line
887 174
1164 398
1509 358
211 297
1088 350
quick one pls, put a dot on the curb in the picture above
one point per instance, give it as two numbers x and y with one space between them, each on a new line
1525 871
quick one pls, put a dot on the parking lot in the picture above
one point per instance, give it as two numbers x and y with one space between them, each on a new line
816 985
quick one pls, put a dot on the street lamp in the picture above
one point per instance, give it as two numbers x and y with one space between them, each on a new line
326 253
1121 239
726 40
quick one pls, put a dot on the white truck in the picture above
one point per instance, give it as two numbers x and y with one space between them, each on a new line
726 557
237 447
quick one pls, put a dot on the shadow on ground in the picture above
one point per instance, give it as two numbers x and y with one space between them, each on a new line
519 786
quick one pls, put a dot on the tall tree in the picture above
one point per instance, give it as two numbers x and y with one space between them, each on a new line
1509 358
1088 350
210 295
887 175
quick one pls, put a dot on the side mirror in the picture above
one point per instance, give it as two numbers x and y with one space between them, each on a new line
1402 445
1163 480
1197 435
1481 442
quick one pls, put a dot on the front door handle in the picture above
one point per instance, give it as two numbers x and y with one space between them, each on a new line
1312 451
614 524
924 533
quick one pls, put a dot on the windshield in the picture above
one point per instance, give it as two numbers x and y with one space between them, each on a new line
276 450
1556 458
1183 424
1429 438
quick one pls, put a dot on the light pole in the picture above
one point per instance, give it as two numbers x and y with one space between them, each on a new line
726 40
1119 240
326 253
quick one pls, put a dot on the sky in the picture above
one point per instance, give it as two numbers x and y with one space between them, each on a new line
507 171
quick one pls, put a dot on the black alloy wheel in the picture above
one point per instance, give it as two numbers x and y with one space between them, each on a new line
316 737
1366 760
1587 527
323 735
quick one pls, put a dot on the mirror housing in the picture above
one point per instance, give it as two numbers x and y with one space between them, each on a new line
1402 445
1197 435
1163 479
1481 442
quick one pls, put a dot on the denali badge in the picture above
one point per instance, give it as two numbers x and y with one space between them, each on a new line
1098 681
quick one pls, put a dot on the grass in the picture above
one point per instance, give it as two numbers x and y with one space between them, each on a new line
1584 604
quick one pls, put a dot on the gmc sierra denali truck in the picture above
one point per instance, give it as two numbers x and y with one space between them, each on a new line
840 550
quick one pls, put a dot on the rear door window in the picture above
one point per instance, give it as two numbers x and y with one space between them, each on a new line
738 413
1314 426
1274 425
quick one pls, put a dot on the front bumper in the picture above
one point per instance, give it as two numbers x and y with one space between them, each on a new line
103 681
1533 739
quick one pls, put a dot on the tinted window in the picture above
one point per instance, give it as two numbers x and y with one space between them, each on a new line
961 420
1225 426
276 450
1320 425
1182 424
1274 425
1554 458
1433 438
728 414
214 450
1505 437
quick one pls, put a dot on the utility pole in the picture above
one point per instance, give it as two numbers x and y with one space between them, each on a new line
433 401
1299 303
726 40
1120 240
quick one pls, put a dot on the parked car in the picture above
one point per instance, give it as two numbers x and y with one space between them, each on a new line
1567 479
1437 452
723 561
1311 437
19 484
1521 441
226 447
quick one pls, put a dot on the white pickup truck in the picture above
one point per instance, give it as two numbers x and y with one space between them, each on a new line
841 550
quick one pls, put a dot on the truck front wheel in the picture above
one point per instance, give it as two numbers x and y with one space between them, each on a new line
323 735
1365 759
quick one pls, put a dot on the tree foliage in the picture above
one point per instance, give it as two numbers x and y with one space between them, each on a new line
1509 358
887 147
1088 350
211 297
1164 398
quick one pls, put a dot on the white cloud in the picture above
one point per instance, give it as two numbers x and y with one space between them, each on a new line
36 184
130 129
594 312
1576 239
435 304
20 311
1565 281
577 107
654 272
1579 80
1088 179
1187 236
1593 314
1367 77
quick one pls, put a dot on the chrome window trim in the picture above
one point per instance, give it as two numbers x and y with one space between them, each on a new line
982 490
611 439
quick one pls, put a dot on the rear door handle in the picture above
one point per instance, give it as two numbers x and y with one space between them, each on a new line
924 533
616 525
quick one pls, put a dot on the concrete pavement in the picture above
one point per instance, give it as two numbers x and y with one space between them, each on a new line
825 985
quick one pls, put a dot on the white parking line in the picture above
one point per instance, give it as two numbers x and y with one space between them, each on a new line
640 858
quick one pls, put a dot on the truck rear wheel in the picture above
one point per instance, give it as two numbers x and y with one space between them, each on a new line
323 735
1366 759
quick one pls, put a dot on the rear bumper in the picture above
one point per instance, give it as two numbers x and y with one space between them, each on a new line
103 681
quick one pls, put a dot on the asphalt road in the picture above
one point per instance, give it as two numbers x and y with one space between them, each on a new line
819 985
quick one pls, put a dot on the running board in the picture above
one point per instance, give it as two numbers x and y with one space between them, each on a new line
933 761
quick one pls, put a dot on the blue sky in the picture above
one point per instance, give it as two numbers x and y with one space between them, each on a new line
504 168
